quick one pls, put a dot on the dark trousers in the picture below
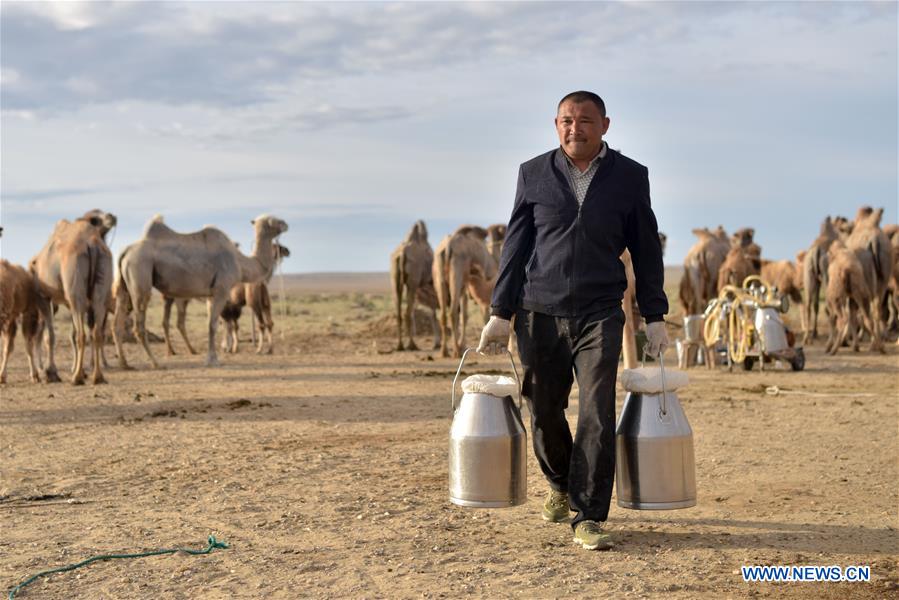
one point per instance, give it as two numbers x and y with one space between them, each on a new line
553 351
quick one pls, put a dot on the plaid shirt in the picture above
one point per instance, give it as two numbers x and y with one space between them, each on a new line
581 181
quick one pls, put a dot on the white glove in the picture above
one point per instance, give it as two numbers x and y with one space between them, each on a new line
495 336
656 338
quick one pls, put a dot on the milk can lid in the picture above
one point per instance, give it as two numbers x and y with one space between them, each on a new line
495 385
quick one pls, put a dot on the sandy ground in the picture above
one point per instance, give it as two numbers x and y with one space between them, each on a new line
324 467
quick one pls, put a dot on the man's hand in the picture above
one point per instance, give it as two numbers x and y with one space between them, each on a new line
495 336
656 338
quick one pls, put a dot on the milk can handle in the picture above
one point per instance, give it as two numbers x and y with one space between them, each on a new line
459 370
663 408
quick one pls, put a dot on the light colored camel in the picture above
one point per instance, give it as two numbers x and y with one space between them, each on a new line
256 294
699 283
632 317
411 277
814 278
75 268
462 261
203 264
848 296
18 298
875 252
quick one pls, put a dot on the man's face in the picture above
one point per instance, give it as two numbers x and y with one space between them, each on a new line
581 126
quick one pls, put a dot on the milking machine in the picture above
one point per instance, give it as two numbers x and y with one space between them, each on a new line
743 325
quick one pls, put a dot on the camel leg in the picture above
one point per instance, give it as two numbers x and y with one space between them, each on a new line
9 336
435 326
226 335
99 338
260 323
411 291
872 324
51 375
235 336
182 326
166 318
456 292
30 329
81 341
398 305
214 308
118 328
140 328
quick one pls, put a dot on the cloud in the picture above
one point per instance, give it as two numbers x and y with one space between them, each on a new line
68 55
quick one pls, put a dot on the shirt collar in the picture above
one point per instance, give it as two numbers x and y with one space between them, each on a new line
601 155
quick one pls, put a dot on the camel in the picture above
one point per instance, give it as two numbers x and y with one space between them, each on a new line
892 300
18 298
237 299
496 236
75 268
462 261
633 319
783 276
202 264
411 276
699 283
814 278
256 295
737 266
848 295
874 250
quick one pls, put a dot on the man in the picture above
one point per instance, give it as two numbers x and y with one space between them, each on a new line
576 209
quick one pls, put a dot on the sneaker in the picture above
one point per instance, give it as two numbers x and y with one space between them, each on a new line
590 536
556 507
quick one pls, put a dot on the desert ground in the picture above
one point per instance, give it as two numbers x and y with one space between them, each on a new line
324 467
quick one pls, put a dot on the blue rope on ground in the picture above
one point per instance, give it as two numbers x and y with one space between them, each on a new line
213 543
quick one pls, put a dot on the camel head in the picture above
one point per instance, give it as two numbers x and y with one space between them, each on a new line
418 233
842 225
268 226
742 237
104 221
663 241
281 252
863 213
703 234
496 235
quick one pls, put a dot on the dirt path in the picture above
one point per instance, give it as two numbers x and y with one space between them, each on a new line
324 466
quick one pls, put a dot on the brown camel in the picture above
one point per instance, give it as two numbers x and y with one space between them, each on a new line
699 283
892 232
782 275
737 266
814 278
75 268
462 261
411 277
18 298
203 264
848 296
875 252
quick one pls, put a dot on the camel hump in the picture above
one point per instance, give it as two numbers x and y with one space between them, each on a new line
702 234
472 230
156 227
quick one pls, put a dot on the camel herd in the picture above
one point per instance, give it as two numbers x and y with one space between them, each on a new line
464 263
855 263
75 269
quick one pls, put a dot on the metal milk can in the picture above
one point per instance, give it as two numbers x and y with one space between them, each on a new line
488 448
655 466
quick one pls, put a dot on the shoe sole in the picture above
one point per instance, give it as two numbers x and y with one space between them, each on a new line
554 520
598 546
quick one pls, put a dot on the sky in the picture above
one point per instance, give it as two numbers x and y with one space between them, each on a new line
353 120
